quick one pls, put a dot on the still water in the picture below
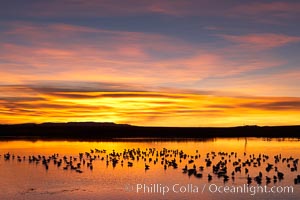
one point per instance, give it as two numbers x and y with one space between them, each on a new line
219 168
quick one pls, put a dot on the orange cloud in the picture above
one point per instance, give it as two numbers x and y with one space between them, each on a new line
145 108
81 67
112 55
146 60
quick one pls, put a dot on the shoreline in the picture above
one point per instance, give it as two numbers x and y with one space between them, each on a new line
110 131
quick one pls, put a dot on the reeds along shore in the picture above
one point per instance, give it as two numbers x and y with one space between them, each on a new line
91 131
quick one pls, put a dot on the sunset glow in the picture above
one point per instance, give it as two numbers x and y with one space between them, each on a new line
150 63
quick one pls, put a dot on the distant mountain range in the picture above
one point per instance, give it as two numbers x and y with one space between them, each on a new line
109 130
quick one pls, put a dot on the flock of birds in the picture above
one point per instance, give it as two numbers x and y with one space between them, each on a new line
222 165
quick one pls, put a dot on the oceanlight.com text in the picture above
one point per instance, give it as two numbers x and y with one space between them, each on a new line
164 189
249 189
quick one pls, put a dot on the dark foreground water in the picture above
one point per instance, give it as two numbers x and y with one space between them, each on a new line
242 168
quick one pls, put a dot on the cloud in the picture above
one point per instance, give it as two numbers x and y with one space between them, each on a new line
274 12
88 59
21 99
144 108
61 71
67 52
94 95
82 86
104 8
276 105
267 12
102 54
276 8
261 41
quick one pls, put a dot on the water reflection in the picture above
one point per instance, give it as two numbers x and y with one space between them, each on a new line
140 169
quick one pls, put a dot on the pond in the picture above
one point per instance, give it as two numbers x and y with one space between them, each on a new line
219 168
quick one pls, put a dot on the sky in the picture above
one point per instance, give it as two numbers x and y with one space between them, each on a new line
150 62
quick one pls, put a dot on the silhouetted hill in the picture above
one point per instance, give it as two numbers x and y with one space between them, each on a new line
94 130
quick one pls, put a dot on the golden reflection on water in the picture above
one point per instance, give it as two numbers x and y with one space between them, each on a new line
253 145
23 180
